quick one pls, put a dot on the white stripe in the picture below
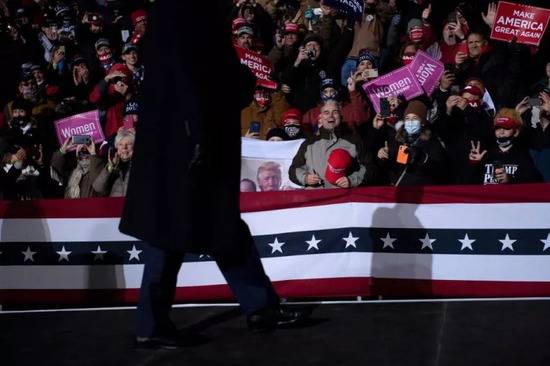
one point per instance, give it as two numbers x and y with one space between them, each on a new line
339 302
363 215
391 215
315 266
59 230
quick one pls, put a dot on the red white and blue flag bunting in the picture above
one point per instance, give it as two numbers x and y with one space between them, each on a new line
426 241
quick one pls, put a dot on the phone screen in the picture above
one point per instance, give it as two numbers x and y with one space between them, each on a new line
254 127
384 108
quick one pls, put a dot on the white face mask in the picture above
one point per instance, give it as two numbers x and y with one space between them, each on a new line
412 126
18 165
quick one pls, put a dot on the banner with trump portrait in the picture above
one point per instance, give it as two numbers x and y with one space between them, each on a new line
265 164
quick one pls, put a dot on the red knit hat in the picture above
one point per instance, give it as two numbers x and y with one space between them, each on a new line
292 113
138 16
339 161
506 123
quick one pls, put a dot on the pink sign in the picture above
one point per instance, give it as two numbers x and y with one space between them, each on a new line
427 71
86 123
398 82
260 66
526 23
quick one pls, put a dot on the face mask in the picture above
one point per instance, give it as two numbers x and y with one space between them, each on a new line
407 58
412 127
505 141
262 99
19 122
416 34
474 103
292 131
18 165
333 95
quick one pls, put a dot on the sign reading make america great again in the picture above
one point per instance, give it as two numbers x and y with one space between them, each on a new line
400 82
260 66
526 23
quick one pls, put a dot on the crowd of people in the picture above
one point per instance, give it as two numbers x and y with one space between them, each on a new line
486 122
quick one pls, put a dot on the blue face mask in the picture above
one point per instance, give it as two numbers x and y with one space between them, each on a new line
412 126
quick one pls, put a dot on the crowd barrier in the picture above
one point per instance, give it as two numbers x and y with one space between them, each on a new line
446 241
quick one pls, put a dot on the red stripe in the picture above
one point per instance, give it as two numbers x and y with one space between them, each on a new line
252 202
316 289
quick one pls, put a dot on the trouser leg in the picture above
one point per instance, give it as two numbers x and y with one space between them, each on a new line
247 279
157 291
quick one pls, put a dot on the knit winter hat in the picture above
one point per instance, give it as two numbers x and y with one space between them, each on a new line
418 108
366 55
415 22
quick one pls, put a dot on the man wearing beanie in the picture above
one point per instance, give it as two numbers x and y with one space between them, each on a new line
355 112
309 166
413 156
305 74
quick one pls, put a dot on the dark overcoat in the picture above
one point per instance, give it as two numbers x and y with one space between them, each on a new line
183 192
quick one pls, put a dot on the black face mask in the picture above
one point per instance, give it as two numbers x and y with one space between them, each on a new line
504 142
19 122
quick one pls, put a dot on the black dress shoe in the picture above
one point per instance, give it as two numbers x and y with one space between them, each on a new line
269 319
175 341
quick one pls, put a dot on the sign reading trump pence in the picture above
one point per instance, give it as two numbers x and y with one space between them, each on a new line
400 82
526 23
86 123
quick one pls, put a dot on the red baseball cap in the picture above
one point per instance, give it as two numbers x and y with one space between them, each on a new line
506 123
472 89
338 163
292 113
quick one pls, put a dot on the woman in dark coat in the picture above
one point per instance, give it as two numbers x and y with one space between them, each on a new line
183 195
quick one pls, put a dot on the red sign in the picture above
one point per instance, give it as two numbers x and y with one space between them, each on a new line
526 23
260 66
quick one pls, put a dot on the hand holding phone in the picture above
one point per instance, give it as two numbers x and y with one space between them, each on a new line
254 127
81 140
403 154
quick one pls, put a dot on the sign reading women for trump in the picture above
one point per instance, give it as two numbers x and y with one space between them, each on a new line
400 82
86 123
260 66
427 71
526 23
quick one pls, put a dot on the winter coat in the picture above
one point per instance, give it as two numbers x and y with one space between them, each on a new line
313 154
269 117
183 193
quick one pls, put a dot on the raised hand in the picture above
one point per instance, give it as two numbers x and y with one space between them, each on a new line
475 154
523 106
384 153
489 17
